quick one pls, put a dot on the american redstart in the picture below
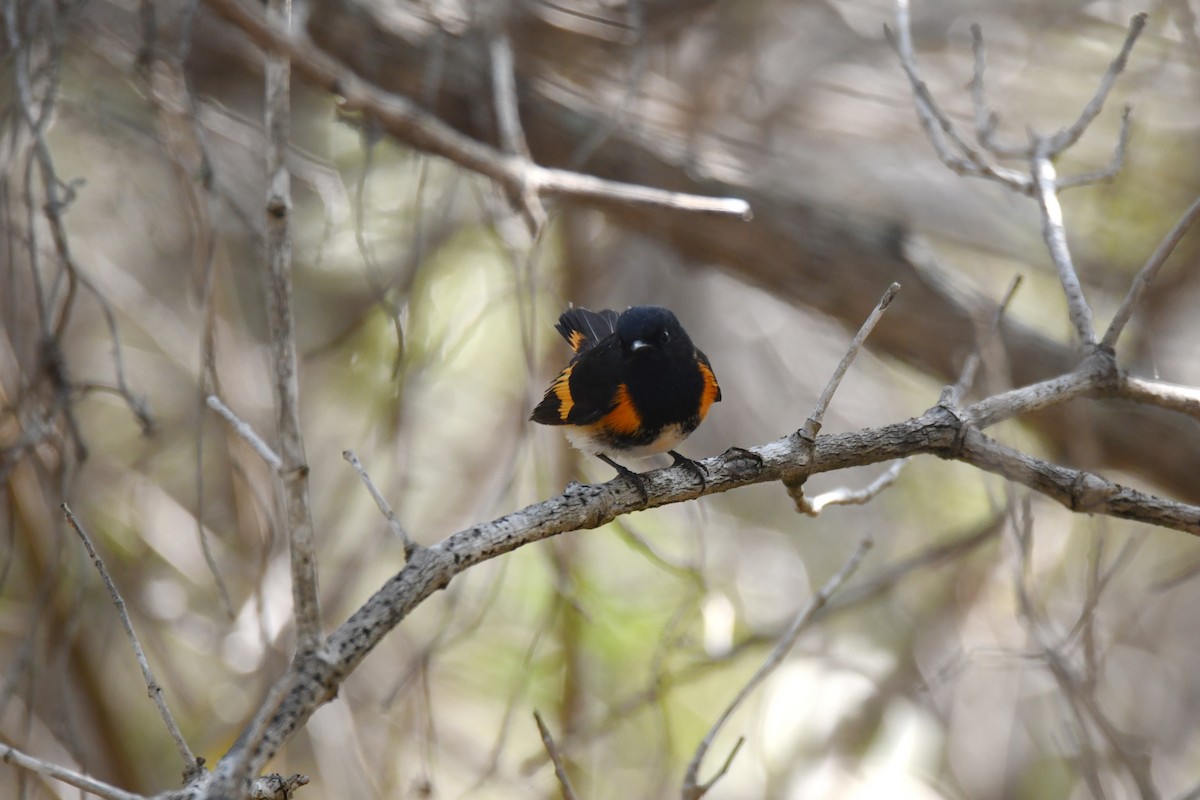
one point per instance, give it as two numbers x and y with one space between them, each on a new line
637 385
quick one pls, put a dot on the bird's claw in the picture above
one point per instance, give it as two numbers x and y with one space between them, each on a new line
637 480
695 467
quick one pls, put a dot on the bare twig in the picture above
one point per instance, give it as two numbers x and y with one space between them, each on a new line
1034 397
966 160
191 765
962 159
11 755
512 135
1184 399
953 395
560 769
504 92
1115 163
986 120
392 520
692 789
409 123
294 470
247 433
1148 273
1055 235
37 112
812 426
854 497
1067 137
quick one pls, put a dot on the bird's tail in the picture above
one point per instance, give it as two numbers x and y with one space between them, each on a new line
582 328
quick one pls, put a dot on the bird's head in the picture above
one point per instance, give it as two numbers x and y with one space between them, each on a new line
644 330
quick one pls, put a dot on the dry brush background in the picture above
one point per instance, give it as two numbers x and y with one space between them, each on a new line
991 644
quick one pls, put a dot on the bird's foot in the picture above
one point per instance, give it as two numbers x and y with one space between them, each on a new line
743 462
637 480
694 467
741 452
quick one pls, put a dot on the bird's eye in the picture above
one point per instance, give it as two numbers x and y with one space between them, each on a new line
664 336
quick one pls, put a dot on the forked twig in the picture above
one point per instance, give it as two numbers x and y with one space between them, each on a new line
1067 137
422 130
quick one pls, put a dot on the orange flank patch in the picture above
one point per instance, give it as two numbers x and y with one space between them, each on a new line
562 390
576 340
624 417
711 392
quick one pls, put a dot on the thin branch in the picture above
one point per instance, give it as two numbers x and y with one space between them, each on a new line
409 123
812 426
294 470
191 765
692 789
953 395
969 161
38 114
392 520
1067 137
854 497
1148 273
1034 397
247 433
560 769
938 127
1055 235
504 93
1114 165
1184 399
986 121
11 755
1077 490
508 118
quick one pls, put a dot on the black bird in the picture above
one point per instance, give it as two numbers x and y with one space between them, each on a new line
637 385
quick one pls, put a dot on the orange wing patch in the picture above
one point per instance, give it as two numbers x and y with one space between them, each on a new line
711 392
624 417
562 390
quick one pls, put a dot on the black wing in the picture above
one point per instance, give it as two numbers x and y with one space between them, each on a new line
585 391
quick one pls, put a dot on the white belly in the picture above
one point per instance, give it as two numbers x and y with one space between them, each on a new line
668 439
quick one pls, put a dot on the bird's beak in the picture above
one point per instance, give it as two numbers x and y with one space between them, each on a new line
638 344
